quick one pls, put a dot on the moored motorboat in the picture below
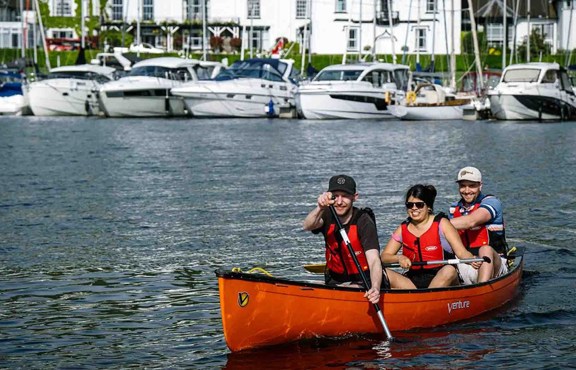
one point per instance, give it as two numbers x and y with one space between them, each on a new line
259 310
145 91
533 91
430 102
353 91
12 100
258 87
69 91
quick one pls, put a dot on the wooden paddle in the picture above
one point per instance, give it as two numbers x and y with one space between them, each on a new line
365 280
318 268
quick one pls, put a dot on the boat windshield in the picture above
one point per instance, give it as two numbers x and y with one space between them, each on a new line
521 75
79 75
402 78
204 73
253 69
179 74
338 75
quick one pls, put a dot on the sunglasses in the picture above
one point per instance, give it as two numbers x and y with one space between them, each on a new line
418 205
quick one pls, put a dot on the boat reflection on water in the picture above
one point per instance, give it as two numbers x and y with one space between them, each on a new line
366 351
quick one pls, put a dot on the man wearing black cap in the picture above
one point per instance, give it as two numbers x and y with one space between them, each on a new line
361 230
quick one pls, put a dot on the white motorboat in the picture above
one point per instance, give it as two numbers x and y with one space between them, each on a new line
534 91
69 91
249 88
352 91
430 102
145 91
12 100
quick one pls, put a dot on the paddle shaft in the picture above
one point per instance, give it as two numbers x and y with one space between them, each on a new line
454 261
365 280
319 267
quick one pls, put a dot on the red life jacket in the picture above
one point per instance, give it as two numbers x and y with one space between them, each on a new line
476 237
339 261
426 247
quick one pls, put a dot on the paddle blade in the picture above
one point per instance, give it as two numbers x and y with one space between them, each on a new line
316 268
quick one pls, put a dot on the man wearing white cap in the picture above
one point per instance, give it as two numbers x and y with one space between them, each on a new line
479 220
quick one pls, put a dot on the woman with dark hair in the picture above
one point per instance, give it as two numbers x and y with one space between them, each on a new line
424 236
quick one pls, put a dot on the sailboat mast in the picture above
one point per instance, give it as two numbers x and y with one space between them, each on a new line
304 36
528 39
204 48
391 31
476 48
504 33
23 33
435 5
82 25
43 35
418 41
452 51
514 25
360 32
138 27
569 55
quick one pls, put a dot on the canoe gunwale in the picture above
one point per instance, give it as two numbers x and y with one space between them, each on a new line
319 285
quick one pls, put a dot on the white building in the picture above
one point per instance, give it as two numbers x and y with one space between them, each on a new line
340 27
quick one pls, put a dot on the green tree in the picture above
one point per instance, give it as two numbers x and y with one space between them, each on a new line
537 44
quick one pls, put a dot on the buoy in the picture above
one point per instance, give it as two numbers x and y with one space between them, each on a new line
270 109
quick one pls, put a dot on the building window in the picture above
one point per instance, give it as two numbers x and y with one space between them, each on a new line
301 9
194 40
194 9
340 6
62 8
494 34
148 10
117 10
353 39
421 39
256 39
253 9
431 6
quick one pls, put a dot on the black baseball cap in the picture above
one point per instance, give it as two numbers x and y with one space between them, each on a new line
343 183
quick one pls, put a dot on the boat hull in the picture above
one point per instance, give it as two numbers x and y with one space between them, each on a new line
339 102
430 112
531 107
64 97
12 105
141 97
258 310
243 98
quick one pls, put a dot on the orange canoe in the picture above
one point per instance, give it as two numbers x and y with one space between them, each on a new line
259 310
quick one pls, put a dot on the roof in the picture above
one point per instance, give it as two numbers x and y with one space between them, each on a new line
539 65
356 66
168 62
493 9
85 68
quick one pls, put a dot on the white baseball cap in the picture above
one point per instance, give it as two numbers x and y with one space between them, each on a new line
469 174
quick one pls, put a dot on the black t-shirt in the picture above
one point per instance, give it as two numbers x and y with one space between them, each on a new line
367 232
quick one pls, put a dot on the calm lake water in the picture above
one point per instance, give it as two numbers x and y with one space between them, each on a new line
110 232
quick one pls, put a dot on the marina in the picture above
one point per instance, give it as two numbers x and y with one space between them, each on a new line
112 230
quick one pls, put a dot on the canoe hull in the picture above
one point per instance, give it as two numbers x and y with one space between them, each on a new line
259 310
